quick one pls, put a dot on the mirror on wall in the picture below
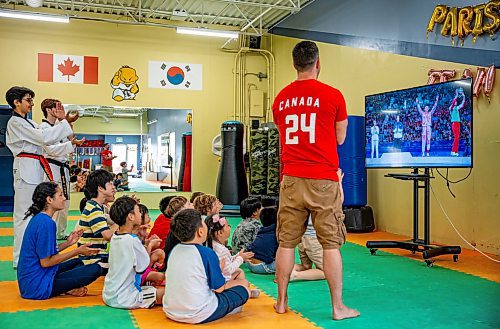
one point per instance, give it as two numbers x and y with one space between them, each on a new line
144 144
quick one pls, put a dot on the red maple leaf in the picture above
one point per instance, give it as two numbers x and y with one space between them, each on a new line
68 68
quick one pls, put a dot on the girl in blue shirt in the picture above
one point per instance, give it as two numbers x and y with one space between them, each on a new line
42 271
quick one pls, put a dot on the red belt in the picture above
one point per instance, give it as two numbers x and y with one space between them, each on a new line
43 162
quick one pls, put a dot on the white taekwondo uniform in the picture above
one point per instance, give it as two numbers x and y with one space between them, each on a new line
25 141
57 156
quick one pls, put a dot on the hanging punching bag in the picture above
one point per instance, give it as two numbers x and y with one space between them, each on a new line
232 185
273 162
185 167
258 161
186 178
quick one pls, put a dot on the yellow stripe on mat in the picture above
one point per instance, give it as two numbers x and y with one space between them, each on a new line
6 231
6 253
12 301
258 312
5 219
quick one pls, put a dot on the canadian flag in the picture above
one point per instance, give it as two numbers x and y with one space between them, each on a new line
68 68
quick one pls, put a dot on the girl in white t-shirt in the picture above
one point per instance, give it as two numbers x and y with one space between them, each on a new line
217 237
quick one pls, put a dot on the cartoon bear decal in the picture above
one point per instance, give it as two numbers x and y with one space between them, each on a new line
124 84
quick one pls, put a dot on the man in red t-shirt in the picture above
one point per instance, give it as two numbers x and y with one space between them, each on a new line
107 158
312 119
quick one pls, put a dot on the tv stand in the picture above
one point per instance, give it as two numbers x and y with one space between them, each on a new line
420 181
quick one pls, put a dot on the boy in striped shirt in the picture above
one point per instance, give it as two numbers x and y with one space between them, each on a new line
98 190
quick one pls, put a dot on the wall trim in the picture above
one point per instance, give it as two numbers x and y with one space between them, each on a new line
455 54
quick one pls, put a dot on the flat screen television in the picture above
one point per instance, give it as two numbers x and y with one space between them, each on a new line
422 127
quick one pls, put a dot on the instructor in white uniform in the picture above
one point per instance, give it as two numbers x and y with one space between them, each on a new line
25 140
57 156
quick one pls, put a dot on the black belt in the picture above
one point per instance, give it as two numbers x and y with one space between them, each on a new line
64 181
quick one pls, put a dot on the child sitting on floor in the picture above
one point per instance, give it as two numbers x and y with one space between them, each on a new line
161 228
128 259
96 230
265 244
207 204
246 231
42 271
194 196
217 236
311 251
151 276
196 291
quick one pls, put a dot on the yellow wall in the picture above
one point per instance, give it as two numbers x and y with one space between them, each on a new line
117 45
355 72
120 126
476 209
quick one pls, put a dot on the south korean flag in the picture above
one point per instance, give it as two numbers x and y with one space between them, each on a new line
170 75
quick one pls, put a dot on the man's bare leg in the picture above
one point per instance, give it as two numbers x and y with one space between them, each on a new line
332 260
285 260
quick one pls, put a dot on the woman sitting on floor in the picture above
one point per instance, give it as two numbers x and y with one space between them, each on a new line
42 271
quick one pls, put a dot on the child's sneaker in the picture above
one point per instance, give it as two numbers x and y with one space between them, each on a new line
236 310
254 293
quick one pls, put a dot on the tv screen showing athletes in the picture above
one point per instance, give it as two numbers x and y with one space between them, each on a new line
428 126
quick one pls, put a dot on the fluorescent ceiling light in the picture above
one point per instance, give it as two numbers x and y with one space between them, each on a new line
208 33
33 16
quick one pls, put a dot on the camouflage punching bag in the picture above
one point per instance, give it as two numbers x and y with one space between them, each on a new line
258 161
273 162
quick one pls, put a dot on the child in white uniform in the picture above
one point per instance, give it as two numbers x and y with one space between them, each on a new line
57 155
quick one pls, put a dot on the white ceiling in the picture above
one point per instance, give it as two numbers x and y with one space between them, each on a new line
250 16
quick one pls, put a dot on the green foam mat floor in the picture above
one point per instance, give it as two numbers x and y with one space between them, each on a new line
82 317
7 273
395 292
6 241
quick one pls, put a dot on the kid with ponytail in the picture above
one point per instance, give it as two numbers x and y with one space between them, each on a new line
217 236
42 271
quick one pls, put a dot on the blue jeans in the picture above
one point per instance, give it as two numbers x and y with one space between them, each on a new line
72 274
262 268
228 300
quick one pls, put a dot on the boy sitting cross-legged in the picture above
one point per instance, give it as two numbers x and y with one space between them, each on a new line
247 229
128 259
196 291
96 231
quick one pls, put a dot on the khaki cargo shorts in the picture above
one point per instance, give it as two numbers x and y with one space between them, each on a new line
321 198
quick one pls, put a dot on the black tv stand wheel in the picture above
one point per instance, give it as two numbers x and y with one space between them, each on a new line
455 258
373 251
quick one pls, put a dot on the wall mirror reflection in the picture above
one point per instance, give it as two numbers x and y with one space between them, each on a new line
144 148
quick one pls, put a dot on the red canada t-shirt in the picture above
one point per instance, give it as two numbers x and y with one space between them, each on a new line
305 112
105 154
161 228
